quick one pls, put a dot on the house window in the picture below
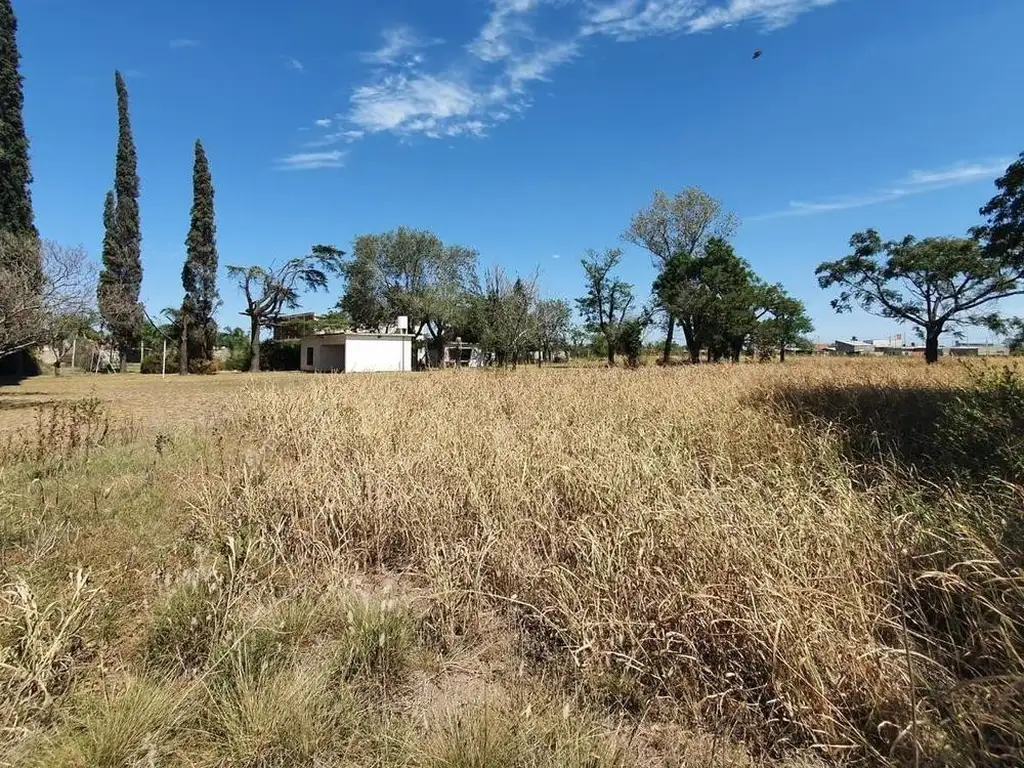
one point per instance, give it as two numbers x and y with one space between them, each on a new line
309 356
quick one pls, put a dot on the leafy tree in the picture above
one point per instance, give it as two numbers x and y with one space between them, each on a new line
1015 335
407 272
506 316
15 176
121 278
716 296
788 322
199 275
937 284
553 319
36 310
269 290
608 300
630 341
1003 231
679 227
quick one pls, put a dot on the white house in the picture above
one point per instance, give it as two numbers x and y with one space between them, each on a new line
352 352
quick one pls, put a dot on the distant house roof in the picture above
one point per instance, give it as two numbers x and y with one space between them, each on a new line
854 343
339 337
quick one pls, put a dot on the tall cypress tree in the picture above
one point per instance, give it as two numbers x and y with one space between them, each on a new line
199 275
15 176
121 277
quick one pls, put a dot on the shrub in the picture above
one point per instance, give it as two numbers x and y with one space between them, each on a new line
280 355
631 341
983 427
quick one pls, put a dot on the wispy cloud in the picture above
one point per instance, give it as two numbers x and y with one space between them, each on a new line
323 122
295 64
634 19
487 80
311 161
556 255
184 42
335 137
916 182
400 45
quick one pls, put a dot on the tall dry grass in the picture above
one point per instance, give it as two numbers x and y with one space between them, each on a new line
561 567
669 539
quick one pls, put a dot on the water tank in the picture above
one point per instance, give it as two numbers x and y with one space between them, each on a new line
402 323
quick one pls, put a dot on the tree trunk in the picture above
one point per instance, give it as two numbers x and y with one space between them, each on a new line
611 353
931 345
254 346
122 363
691 343
782 353
56 367
667 353
183 349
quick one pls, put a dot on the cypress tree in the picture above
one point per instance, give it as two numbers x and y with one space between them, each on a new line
199 275
121 277
15 176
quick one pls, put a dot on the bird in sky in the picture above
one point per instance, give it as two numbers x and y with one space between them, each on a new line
757 53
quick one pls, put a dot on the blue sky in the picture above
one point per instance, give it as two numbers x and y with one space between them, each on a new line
528 129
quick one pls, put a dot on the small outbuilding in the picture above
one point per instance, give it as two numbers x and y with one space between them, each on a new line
354 352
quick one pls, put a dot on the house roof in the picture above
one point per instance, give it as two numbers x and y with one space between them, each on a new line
340 337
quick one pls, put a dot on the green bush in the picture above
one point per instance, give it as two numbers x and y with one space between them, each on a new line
153 363
983 427
280 355
238 360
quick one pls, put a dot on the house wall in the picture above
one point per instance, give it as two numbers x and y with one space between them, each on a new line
373 354
331 358
304 364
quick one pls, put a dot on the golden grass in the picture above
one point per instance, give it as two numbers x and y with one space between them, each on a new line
698 551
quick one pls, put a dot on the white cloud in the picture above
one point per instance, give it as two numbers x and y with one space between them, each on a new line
506 21
488 79
323 122
914 183
295 64
399 46
556 255
311 161
538 64
961 173
184 42
634 19
403 104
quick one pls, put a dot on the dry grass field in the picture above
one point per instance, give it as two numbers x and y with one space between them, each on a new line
800 565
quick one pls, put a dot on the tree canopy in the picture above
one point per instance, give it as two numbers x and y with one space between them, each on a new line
121 277
16 215
715 296
608 301
678 228
937 284
408 272
199 274
269 291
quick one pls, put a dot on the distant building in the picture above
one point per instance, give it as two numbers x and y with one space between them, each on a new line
352 352
854 347
979 350
357 352
454 354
